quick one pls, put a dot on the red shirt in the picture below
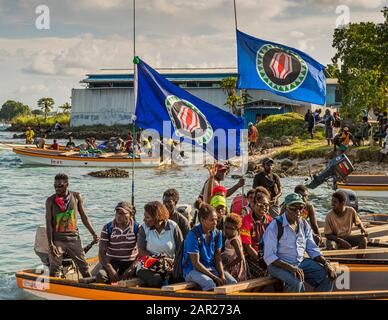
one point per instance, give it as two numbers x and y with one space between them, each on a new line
252 231
54 146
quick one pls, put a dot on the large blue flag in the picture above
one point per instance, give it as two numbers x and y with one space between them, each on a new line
279 69
159 102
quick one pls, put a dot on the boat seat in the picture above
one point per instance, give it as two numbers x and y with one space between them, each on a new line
245 285
179 286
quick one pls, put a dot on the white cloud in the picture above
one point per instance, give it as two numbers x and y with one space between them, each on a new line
297 34
36 88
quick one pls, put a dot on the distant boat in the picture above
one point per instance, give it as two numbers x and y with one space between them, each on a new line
375 186
66 158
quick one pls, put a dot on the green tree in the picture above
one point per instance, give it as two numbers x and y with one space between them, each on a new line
11 109
363 78
37 112
66 108
228 86
46 104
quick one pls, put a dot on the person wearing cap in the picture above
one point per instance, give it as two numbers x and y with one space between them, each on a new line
217 173
252 136
342 140
219 203
117 248
271 182
284 253
29 135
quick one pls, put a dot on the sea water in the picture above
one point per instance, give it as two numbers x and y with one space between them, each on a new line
24 189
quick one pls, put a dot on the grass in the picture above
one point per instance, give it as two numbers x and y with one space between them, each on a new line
35 121
305 149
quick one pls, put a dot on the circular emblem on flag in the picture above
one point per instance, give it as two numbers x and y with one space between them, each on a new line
280 68
188 120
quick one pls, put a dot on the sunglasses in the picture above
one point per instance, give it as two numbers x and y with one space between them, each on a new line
295 209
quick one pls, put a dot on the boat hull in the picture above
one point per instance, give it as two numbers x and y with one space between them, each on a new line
375 186
366 281
58 158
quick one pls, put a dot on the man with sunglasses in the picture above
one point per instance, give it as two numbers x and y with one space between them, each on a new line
62 209
284 255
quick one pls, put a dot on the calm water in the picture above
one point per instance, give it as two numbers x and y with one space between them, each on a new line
24 189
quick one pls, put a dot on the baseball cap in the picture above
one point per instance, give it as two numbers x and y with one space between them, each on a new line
218 201
266 160
126 206
293 198
346 129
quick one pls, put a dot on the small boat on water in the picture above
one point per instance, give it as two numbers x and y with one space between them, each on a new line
360 280
76 159
9 146
366 185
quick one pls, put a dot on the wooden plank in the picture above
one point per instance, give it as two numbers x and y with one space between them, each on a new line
179 286
333 253
244 285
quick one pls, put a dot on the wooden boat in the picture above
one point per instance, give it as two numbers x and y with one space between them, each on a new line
364 281
10 146
375 186
75 159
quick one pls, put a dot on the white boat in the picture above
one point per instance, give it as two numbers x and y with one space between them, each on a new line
75 159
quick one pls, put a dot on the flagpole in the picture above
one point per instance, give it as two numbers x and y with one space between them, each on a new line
242 114
133 118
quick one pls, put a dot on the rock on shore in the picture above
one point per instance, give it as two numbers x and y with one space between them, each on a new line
112 173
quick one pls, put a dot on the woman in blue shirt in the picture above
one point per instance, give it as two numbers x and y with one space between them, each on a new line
202 252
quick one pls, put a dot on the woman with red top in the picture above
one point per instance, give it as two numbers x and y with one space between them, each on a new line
252 231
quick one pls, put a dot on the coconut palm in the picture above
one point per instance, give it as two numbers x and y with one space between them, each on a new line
46 104
66 107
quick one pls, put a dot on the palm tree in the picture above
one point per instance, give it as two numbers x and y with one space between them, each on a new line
228 86
66 107
46 104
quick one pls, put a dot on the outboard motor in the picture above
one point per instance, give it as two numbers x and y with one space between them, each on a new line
351 198
338 169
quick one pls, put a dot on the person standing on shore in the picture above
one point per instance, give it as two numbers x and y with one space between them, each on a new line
62 209
252 136
309 118
329 120
271 182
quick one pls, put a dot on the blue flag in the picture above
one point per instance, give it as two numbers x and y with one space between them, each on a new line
162 105
279 69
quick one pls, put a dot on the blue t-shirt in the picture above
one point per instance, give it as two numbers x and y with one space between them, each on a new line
205 251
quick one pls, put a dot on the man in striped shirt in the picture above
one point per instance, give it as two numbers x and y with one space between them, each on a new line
117 249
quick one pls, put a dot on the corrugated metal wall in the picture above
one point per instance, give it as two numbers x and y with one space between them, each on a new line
101 106
110 106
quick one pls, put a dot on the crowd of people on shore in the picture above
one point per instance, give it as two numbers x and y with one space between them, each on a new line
218 244
340 136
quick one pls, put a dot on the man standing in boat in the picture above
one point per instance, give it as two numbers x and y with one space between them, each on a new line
62 209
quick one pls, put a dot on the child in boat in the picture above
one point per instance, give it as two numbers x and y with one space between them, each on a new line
233 255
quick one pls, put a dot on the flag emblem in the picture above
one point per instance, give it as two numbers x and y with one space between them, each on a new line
280 68
188 120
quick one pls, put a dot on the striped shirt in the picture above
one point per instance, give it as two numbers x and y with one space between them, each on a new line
121 243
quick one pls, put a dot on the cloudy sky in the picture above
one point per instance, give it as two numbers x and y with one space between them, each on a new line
87 35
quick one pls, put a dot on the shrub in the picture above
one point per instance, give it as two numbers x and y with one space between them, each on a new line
288 124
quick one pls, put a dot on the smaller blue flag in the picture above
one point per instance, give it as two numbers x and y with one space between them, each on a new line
282 70
162 105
